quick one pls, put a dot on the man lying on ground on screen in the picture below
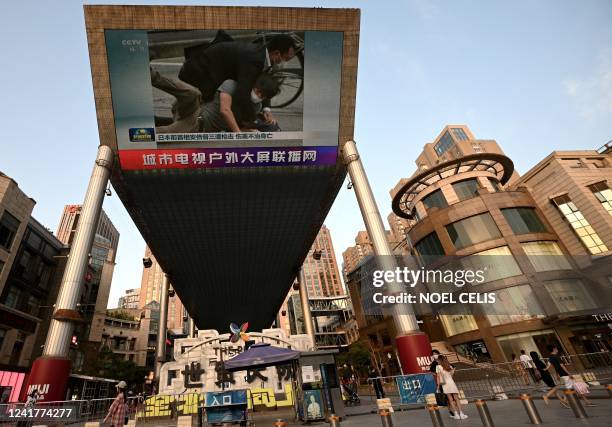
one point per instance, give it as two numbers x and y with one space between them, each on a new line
228 59
191 114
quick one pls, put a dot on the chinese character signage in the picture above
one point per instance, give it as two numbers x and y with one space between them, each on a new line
221 98
414 388
225 406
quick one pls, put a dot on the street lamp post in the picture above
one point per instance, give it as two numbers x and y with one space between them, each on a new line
412 345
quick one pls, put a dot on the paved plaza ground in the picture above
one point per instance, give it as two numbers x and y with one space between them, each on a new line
504 413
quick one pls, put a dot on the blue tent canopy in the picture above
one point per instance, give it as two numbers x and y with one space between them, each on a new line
261 355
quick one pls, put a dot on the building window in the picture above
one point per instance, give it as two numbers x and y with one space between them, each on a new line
459 134
513 305
581 226
477 147
12 297
603 194
466 189
495 184
528 341
8 228
546 256
429 249
33 306
524 220
472 230
456 321
497 263
569 295
435 199
445 142
17 349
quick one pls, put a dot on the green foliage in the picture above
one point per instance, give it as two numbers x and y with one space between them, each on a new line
356 356
121 315
114 366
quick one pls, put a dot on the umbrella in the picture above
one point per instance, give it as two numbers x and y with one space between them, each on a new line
261 355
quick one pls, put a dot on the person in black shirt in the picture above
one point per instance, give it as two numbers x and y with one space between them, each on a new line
553 361
378 388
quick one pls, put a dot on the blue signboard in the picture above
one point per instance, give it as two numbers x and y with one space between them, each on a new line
413 388
225 406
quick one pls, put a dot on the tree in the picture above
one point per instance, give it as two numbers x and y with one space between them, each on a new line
113 366
356 356
121 315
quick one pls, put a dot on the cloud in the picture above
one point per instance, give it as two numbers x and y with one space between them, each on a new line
593 95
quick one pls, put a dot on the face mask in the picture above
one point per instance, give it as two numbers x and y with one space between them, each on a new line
254 98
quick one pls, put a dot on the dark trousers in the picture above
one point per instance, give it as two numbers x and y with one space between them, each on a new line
378 388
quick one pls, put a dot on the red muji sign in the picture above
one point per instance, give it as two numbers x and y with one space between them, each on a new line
414 352
50 377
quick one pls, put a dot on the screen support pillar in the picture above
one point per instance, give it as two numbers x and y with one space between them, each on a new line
412 344
50 372
305 303
163 325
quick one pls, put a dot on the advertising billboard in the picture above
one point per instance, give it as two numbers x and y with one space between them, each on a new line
225 98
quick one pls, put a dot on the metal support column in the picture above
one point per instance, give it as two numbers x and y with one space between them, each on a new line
306 314
163 325
192 328
52 369
413 343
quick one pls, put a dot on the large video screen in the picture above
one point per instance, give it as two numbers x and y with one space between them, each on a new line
223 98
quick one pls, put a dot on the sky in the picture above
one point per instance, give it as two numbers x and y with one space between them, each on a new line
534 75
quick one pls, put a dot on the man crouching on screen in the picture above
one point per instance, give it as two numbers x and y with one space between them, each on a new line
191 114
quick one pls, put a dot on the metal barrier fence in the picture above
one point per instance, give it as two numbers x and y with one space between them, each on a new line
513 378
64 412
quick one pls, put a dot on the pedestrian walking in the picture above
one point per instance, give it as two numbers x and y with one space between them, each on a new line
529 367
441 399
519 368
444 374
117 413
543 369
582 389
559 366
378 388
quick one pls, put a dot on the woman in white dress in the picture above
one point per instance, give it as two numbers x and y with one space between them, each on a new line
444 376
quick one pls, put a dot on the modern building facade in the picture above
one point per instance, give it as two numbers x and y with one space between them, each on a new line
130 300
578 206
32 262
321 268
134 339
466 208
375 331
97 284
329 304
150 291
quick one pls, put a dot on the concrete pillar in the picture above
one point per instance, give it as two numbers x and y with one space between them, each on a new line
163 325
412 345
50 371
308 324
